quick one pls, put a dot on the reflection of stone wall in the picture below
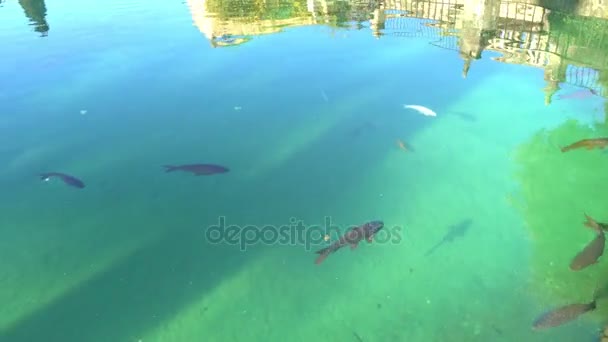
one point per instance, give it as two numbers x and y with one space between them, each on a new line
518 30
213 27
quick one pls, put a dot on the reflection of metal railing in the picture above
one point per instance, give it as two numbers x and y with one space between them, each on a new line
447 43
408 27
583 77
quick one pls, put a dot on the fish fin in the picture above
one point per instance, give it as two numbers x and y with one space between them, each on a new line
169 168
596 295
370 239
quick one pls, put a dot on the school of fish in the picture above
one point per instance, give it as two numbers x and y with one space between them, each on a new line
590 255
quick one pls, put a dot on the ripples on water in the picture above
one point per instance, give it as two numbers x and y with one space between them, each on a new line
303 101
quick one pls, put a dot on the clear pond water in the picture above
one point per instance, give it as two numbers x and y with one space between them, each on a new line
303 102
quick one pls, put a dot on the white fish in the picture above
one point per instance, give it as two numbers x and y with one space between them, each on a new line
83 112
421 109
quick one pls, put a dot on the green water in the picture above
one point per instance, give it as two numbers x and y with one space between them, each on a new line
305 108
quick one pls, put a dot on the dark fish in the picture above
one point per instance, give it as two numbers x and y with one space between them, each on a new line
454 231
197 169
593 251
363 128
588 144
564 314
67 179
352 238
465 116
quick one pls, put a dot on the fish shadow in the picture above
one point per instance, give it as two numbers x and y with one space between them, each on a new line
454 231
465 116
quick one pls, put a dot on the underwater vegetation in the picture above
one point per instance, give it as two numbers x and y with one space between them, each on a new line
557 190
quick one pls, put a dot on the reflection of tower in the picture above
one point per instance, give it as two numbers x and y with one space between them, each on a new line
478 25
35 10
377 21
552 77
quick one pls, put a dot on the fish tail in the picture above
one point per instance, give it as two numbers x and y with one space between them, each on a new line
591 223
323 254
169 168
321 257
433 249
44 176
565 149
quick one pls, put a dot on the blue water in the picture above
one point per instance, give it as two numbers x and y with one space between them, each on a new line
307 117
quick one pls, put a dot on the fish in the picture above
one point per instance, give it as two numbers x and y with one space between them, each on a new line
363 128
352 238
421 109
402 145
357 337
67 179
454 231
579 94
564 314
197 169
589 144
593 251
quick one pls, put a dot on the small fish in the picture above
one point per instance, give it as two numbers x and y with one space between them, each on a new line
197 169
352 238
421 109
363 128
454 231
589 144
593 251
564 314
466 116
67 179
402 145
357 337
579 94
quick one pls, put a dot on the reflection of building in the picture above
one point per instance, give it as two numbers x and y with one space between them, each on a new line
35 10
520 32
235 29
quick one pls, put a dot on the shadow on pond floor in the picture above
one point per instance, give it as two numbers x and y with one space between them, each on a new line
136 295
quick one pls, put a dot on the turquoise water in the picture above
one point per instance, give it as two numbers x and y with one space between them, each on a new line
307 120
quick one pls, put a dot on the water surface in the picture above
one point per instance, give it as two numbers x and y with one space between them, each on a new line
304 103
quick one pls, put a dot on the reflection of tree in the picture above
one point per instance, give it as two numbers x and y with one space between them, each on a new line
556 190
35 10
255 10
338 12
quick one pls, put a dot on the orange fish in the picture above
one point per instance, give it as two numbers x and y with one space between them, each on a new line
401 145
588 144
